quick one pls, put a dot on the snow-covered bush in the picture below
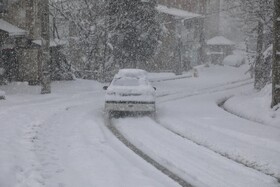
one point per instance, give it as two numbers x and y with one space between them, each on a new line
234 60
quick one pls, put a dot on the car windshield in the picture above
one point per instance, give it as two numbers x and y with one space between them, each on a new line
126 81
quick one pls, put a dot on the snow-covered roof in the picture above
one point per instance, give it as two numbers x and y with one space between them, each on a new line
177 12
220 40
12 30
53 43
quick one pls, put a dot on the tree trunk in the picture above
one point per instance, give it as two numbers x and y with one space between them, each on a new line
259 64
179 47
202 56
276 57
45 48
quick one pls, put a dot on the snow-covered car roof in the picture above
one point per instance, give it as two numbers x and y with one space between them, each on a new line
131 73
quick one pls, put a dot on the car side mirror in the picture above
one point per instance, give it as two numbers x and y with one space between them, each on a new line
105 87
155 88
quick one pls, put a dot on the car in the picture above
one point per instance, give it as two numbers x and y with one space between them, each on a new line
130 91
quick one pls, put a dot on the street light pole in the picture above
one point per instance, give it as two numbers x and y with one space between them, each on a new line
45 48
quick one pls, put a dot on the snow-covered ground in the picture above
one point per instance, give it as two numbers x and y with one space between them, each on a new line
61 140
255 106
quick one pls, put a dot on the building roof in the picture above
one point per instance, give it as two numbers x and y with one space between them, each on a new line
177 12
12 30
220 40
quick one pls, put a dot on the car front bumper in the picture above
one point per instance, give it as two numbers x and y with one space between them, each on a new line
130 106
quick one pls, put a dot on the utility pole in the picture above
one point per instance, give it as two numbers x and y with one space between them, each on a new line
276 56
202 42
179 46
45 48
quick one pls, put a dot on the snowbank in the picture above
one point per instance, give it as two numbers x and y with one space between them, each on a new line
235 60
255 107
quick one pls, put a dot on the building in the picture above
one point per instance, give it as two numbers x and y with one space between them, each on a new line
183 44
218 48
210 9
19 27
20 30
187 25
182 39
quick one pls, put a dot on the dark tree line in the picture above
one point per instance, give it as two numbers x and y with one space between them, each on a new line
111 34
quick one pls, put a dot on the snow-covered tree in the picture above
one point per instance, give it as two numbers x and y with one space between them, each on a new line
87 32
106 34
135 35
255 19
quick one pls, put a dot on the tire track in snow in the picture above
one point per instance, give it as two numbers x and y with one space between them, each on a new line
220 104
143 155
246 163
151 161
204 91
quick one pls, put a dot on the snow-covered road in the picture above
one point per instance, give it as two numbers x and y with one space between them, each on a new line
61 140
194 163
